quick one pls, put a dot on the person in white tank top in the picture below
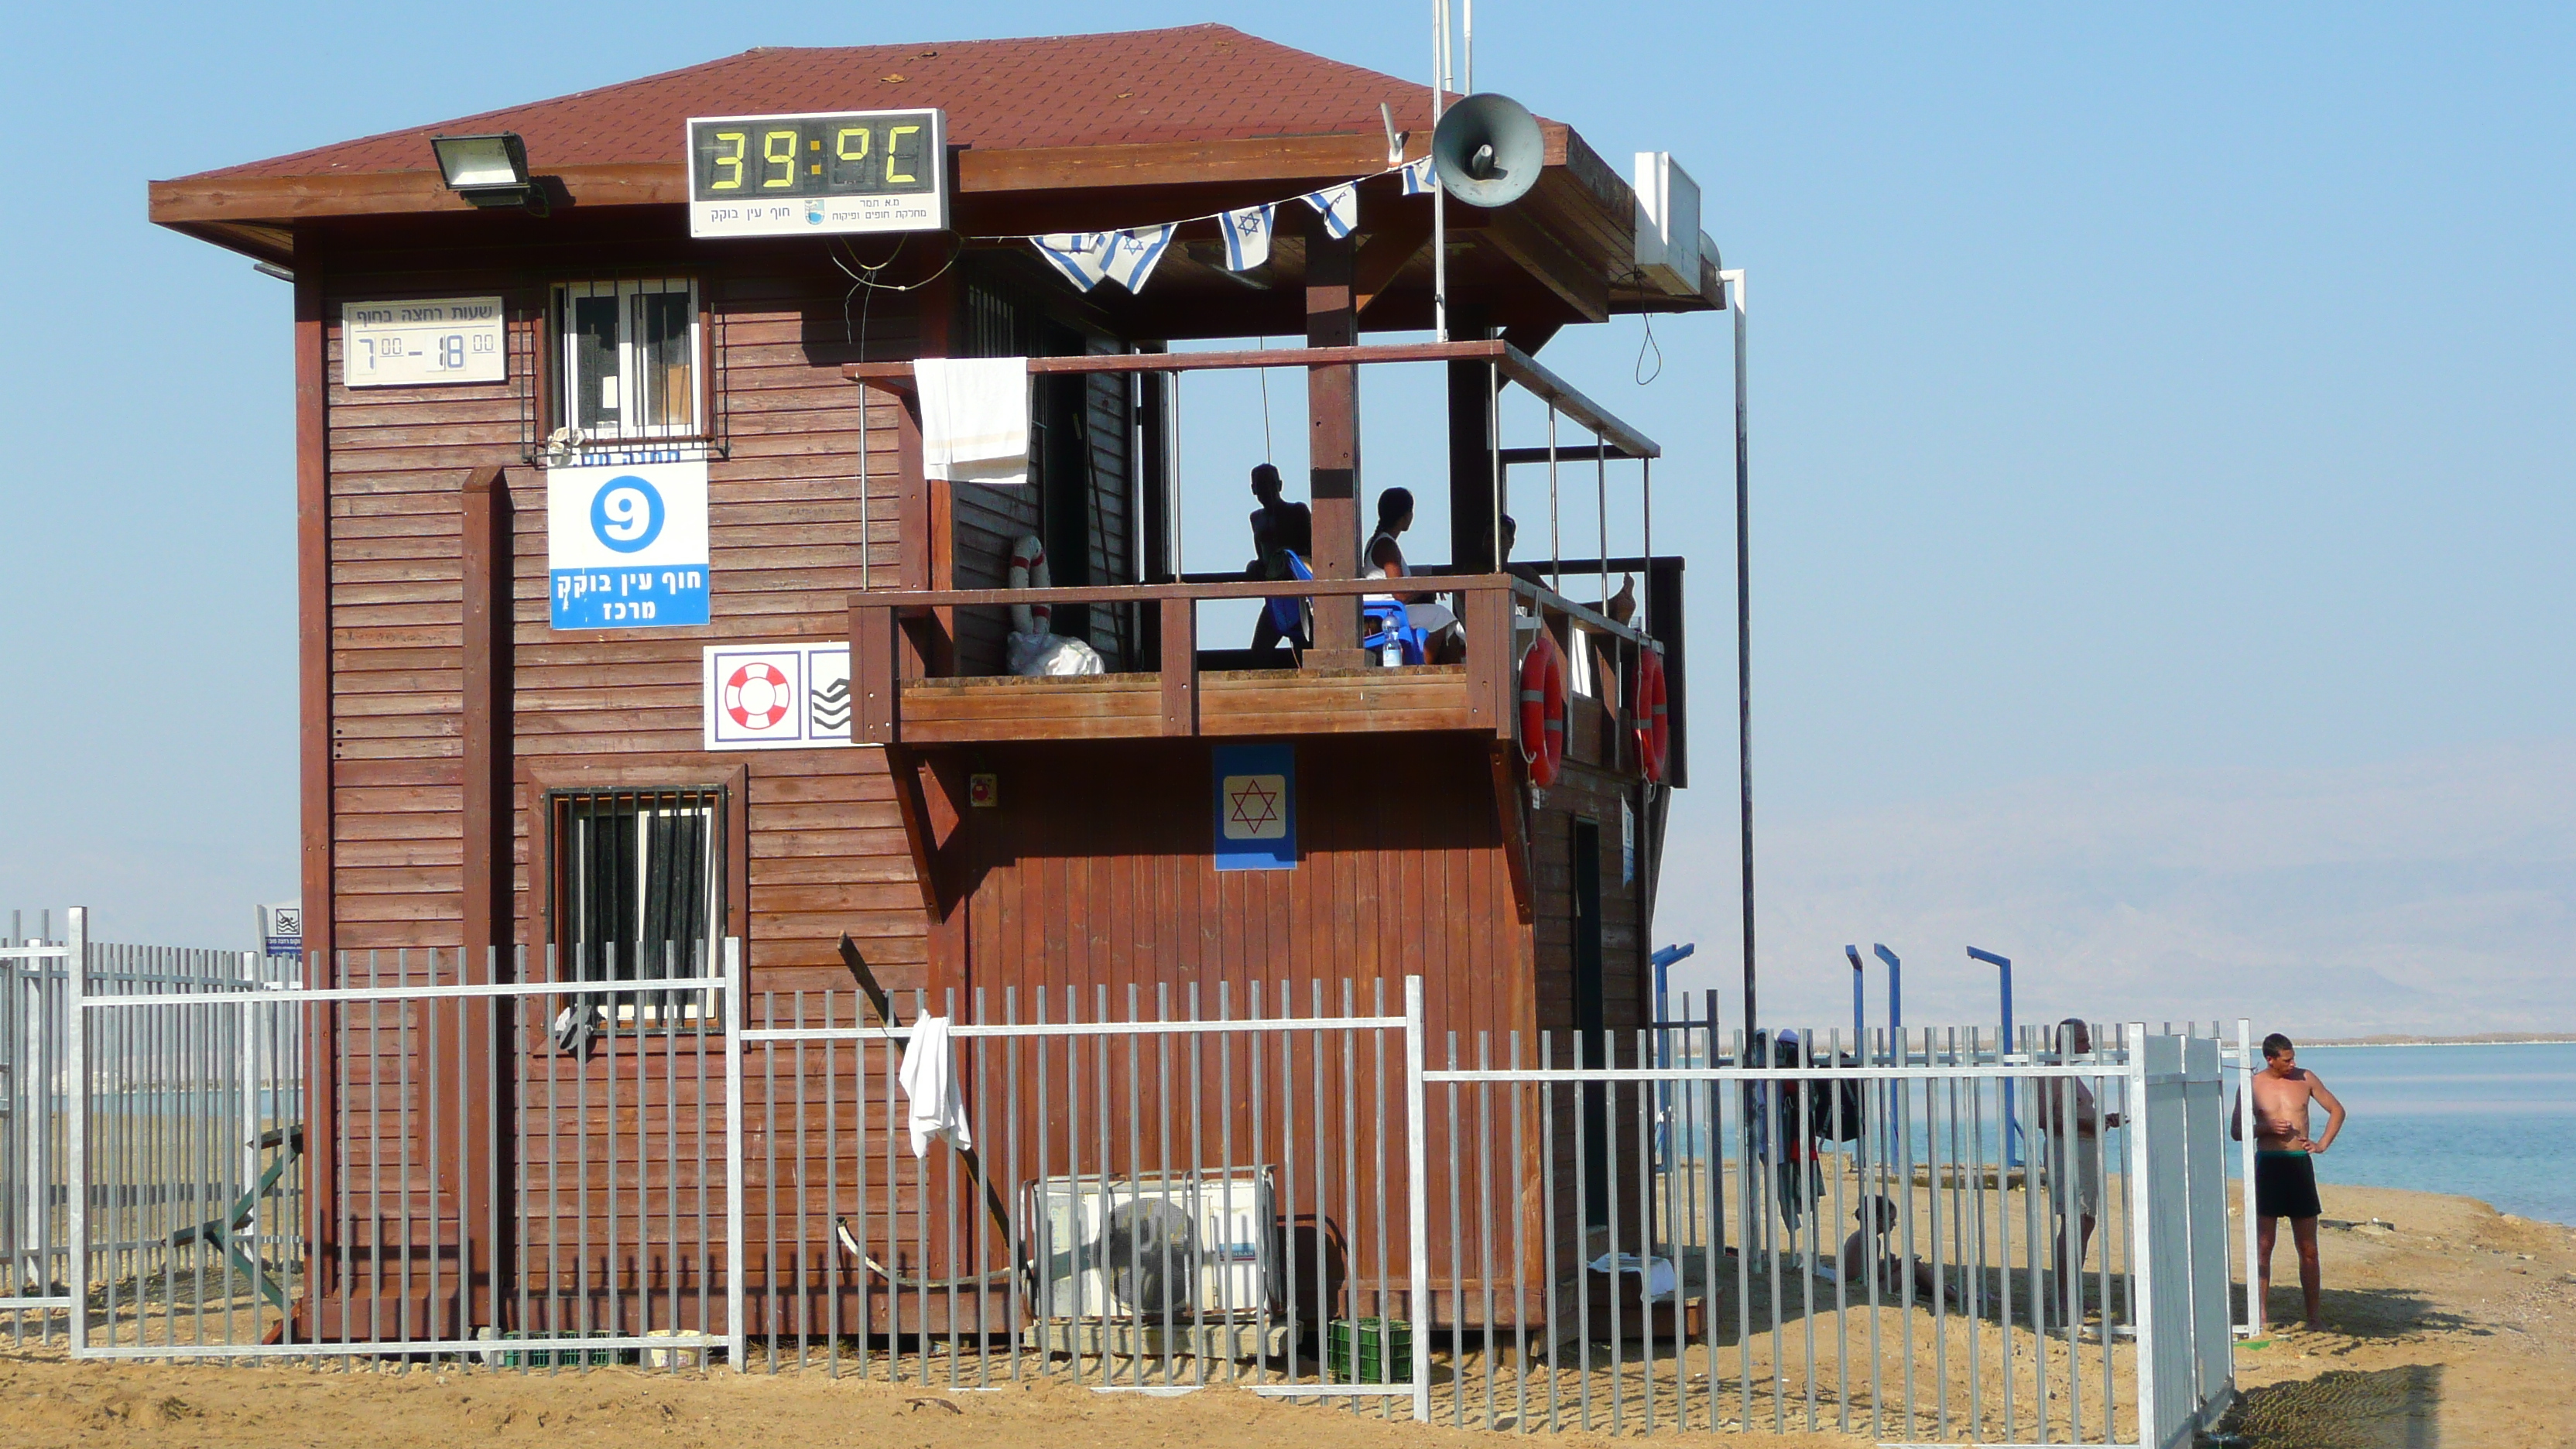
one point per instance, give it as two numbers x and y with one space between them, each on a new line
1444 642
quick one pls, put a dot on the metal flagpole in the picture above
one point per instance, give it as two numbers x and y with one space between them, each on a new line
1734 281
1439 193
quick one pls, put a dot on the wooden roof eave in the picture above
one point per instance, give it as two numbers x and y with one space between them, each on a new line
1581 212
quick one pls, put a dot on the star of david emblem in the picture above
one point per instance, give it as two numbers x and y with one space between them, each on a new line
1256 807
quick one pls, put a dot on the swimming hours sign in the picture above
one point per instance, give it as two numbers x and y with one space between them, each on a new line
626 547
423 340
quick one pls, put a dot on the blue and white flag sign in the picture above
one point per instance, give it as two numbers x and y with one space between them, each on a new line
1340 206
1132 255
1418 179
1247 238
626 547
1082 256
1256 806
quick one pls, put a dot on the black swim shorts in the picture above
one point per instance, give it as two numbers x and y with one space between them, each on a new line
2285 1185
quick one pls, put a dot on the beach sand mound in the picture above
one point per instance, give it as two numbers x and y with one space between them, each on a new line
2449 1326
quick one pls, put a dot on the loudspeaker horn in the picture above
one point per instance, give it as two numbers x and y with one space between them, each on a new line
1487 150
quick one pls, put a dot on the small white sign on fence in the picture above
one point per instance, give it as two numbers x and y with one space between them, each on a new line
281 930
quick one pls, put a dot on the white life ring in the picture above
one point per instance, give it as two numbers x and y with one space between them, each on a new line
1029 571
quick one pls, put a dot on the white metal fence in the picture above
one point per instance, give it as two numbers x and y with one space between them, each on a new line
176 1114
1292 1188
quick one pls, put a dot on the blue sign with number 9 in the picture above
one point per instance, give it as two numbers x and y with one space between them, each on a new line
626 514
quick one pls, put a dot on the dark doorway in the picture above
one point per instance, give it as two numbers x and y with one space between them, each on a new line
1064 480
1592 1037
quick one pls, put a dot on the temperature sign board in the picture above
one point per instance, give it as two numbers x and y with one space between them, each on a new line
626 547
841 171
431 340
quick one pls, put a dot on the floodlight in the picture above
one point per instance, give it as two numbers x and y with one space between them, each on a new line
489 170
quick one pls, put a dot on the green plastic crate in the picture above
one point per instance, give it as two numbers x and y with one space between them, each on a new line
1385 1351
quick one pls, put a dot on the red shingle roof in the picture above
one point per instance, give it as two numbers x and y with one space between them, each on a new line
1195 83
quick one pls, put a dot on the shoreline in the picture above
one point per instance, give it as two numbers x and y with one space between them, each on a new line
2559 1039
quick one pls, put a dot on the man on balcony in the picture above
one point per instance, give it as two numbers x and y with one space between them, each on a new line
1279 528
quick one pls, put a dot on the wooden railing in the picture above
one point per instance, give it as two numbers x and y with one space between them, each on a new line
897 637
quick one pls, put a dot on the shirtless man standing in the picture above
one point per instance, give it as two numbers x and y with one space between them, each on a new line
2285 1178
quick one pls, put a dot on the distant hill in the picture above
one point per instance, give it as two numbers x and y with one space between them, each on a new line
2433 896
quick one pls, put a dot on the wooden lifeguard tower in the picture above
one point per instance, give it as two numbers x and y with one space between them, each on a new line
493 762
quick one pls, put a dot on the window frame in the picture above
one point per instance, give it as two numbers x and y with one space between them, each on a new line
565 385
543 784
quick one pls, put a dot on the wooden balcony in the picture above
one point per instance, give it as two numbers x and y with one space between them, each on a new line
906 693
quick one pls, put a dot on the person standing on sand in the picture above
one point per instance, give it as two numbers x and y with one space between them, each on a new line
2285 1173
2073 1152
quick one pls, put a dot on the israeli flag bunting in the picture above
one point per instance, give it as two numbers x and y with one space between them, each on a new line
1132 255
1247 238
1417 177
1082 256
1340 206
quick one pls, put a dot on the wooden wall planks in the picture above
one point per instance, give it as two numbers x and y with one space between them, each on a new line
787 538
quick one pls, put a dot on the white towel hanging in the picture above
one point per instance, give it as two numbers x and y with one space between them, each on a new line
974 418
928 1077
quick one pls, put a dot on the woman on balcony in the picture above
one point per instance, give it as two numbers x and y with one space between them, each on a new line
1443 641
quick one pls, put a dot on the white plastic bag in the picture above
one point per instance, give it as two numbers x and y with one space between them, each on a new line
1033 656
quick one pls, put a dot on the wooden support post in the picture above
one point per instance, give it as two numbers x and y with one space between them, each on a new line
912 494
1493 683
1154 471
1180 656
489 904
313 687
1471 449
876 719
1333 440
1153 492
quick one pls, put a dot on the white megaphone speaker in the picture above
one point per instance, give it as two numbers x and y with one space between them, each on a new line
1487 150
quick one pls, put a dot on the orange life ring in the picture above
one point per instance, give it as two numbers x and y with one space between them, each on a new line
1543 709
1647 714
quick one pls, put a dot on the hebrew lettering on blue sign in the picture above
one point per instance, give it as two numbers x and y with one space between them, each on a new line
607 598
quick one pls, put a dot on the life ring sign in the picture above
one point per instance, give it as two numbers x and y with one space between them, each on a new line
758 696
789 695
1543 709
1648 715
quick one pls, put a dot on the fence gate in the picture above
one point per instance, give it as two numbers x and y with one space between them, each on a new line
530 1168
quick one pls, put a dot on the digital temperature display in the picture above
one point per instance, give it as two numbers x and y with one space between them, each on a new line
844 171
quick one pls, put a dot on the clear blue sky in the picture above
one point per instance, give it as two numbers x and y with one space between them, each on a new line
2174 390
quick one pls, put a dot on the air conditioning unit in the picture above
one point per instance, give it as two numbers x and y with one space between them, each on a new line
1668 236
1159 1250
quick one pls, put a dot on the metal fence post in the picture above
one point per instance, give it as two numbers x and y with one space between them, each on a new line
1417 1197
736 1338
2254 1304
2141 1250
76 1123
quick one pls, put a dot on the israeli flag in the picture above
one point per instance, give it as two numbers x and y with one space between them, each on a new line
1418 180
1132 255
1340 206
1082 256
1247 238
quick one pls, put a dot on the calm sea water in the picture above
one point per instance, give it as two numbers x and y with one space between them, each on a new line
2497 1123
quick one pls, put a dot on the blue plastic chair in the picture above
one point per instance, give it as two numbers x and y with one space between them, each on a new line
1386 618
1394 627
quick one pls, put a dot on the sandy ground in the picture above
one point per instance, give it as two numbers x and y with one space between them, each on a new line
2451 1327
2448 1325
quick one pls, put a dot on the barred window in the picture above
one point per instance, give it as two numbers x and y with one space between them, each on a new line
639 894
627 365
